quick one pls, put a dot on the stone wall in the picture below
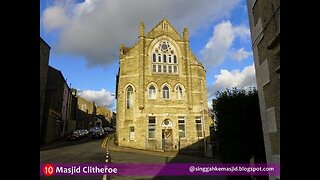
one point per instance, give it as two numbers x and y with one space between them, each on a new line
44 61
265 33
136 71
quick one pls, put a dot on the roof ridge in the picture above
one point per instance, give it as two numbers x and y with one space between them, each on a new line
164 19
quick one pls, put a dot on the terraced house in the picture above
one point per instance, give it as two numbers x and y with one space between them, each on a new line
161 92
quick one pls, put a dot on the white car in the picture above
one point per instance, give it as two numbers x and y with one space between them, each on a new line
107 129
84 132
91 130
98 132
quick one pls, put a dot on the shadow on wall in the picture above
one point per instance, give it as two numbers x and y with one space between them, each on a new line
105 122
84 119
195 149
194 153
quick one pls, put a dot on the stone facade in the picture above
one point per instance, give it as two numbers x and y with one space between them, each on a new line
265 33
105 115
161 92
86 113
44 61
114 120
54 119
57 104
72 111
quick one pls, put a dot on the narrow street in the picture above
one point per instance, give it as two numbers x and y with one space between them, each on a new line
131 157
89 150
79 151
86 150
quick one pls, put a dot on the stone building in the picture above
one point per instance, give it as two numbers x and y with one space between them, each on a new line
265 33
57 107
161 92
57 117
72 113
105 115
114 120
44 63
86 113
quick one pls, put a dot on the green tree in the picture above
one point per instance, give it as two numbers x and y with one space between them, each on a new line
239 130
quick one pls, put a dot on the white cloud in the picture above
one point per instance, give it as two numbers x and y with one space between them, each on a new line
235 78
95 29
218 46
243 32
241 54
54 18
101 98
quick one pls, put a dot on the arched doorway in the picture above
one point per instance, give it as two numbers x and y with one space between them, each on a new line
98 122
167 139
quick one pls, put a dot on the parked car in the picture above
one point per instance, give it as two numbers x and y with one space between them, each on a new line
91 129
107 129
98 132
84 132
74 135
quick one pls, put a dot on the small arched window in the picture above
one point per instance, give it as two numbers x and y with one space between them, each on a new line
179 92
175 59
129 100
165 92
152 92
154 58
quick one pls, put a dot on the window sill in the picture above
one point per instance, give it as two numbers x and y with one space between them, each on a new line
162 73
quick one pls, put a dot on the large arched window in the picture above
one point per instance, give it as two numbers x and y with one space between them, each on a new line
129 100
152 92
84 107
165 92
179 92
164 58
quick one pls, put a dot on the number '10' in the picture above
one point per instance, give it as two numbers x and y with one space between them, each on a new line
48 170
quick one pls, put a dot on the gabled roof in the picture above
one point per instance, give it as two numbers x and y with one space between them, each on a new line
154 33
41 40
56 73
159 28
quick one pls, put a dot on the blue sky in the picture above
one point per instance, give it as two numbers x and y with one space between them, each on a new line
85 37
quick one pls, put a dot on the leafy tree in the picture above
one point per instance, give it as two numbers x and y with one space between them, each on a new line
239 130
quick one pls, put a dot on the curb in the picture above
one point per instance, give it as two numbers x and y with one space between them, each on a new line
141 151
54 144
104 144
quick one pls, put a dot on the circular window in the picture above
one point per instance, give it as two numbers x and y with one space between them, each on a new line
164 47
166 124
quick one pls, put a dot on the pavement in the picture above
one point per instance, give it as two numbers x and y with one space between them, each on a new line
57 143
109 144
